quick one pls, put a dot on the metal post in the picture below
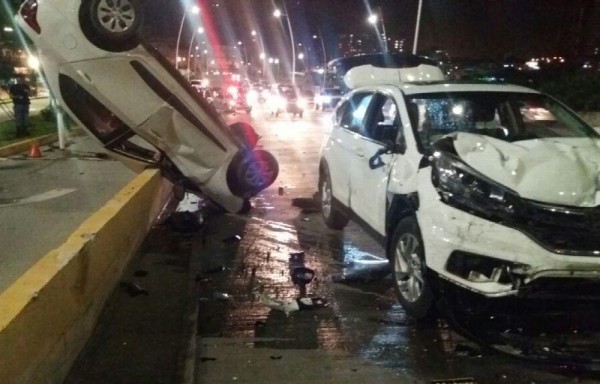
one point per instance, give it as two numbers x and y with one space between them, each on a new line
293 45
417 27
385 43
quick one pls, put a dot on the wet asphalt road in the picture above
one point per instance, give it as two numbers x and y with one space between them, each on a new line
191 306
363 335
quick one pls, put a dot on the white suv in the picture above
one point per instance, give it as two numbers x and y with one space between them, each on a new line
477 191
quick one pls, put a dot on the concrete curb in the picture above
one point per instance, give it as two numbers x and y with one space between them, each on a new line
23 146
49 313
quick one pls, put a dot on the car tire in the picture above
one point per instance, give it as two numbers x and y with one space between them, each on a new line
333 217
251 172
112 25
412 281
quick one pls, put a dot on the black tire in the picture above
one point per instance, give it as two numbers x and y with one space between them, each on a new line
112 25
251 172
333 217
412 281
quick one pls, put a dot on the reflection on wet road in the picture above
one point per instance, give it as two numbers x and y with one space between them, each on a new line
362 329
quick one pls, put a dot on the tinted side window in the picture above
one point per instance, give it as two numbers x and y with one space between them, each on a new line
355 111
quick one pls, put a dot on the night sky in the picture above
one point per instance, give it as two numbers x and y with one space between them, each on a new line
464 28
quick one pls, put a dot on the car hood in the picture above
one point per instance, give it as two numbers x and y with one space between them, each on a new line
563 171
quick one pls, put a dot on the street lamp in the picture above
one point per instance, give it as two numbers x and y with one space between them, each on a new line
200 32
320 37
278 14
372 19
417 27
195 10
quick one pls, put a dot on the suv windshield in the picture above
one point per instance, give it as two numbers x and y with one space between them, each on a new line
503 115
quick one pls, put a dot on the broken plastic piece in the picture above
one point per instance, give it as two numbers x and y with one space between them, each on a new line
292 305
232 239
133 289
217 269
297 257
222 296
302 275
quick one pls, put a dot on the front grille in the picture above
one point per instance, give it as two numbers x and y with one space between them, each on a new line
564 230
567 288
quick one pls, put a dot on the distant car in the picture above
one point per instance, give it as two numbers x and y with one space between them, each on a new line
129 97
286 99
328 98
477 191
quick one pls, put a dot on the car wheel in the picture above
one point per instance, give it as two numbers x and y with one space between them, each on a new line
411 278
251 172
112 25
332 215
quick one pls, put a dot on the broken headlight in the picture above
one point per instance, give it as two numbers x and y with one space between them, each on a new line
464 188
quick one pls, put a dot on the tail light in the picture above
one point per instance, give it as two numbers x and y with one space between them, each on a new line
28 12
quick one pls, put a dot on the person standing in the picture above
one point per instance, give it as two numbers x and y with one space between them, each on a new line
19 93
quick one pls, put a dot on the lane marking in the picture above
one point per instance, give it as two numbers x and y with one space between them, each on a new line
52 194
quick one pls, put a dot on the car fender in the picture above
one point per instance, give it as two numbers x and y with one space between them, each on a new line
403 175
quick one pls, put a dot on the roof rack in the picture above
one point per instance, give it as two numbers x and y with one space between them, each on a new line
370 75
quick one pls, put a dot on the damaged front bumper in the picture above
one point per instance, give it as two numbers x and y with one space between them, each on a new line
495 260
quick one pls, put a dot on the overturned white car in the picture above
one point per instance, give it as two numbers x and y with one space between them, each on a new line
493 188
137 104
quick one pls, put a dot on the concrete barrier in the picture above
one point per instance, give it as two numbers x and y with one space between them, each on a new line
25 145
48 314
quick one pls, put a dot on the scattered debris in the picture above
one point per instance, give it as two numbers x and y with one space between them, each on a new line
292 305
302 275
140 273
133 289
280 191
466 350
185 222
222 296
232 239
218 269
297 257
278 357
205 359
461 380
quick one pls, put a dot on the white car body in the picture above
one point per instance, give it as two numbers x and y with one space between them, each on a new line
135 102
542 227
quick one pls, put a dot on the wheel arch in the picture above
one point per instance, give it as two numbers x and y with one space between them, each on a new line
401 206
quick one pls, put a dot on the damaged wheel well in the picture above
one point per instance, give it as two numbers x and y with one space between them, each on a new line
400 206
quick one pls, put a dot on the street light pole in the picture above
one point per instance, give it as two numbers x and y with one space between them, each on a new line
373 20
324 57
278 14
417 27
195 10
200 31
